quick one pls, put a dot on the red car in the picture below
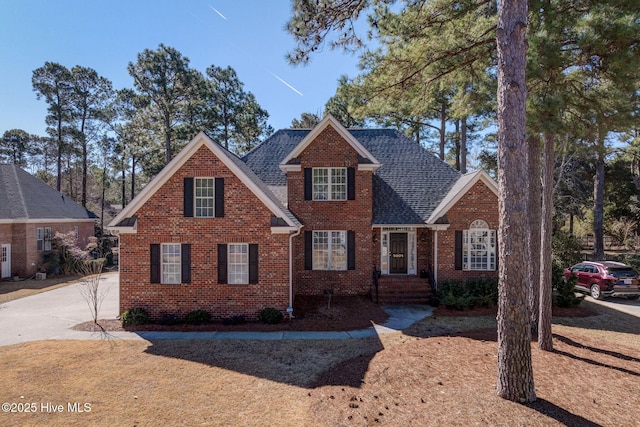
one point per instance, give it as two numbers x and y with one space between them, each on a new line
605 279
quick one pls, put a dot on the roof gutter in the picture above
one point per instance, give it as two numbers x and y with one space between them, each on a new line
291 236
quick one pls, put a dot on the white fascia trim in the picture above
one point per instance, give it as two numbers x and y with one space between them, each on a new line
438 227
290 168
458 191
46 220
329 120
399 226
369 167
283 230
123 230
165 174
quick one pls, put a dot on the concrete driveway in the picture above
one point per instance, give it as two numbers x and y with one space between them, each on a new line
621 304
49 315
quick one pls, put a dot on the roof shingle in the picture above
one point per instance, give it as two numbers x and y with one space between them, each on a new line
25 197
406 189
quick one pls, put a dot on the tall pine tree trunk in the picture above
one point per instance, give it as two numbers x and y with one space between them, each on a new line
534 240
598 198
463 146
545 340
443 127
515 371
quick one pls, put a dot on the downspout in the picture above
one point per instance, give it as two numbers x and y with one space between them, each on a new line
435 258
291 236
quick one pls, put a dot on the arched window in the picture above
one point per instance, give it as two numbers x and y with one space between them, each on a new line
479 247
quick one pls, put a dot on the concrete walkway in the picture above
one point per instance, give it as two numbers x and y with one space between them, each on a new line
50 315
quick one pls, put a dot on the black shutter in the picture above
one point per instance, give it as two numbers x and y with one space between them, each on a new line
222 263
351 183
253 263
458 249
308 250
185 253
351 250
188 197
219 194
154 250
308 184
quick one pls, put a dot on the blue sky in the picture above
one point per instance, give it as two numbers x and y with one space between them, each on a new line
247 35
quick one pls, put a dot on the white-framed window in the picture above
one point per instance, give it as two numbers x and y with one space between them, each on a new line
479 247
204 197
170 262
76 231
329 183
43 239
329 250
238 263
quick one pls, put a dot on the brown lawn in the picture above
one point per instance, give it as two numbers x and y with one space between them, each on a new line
438 372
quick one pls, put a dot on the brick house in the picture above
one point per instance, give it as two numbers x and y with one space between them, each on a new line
31 213
305 212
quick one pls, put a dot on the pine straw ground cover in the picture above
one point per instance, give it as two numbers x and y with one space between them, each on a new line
438 372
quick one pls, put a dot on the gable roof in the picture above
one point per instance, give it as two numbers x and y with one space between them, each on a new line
25 198
329 120
124 220
458 190
407 188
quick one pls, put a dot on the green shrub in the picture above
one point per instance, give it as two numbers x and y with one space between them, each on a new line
565 289
134 316
198 317
459 295
270 316
566 248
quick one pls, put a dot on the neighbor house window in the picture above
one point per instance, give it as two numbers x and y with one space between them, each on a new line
75 231
479 247
329 250
238 263
43 239
204 197
171 263
330 184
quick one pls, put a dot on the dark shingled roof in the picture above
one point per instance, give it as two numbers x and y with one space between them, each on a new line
25 197
406 189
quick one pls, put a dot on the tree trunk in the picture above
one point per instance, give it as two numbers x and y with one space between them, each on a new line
123 185
133 177
83 140
443 126
457 143
463 146
515 371
598 201
535 226
60 151
545 340
167 137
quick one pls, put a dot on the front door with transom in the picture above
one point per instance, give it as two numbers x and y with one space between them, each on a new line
6 260
398 253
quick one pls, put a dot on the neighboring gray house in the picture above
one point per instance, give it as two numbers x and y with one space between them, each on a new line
31 213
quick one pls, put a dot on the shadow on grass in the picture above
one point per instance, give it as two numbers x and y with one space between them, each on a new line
302 363
559 414
616 354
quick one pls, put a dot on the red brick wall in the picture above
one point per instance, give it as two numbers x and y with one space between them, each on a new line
329 149
479 203
246 220
26 260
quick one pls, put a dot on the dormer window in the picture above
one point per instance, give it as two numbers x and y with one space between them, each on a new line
329 183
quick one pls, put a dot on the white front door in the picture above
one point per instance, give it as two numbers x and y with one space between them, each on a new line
6 260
